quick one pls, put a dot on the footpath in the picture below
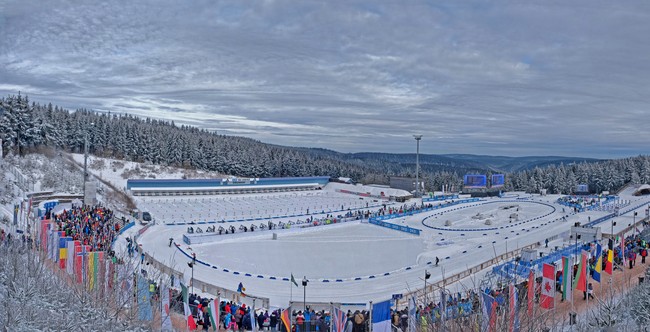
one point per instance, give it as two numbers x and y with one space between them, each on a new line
611 287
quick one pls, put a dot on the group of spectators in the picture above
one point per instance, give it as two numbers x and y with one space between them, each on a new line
91 225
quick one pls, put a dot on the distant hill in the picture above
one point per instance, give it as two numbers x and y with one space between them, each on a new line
459 163
516 164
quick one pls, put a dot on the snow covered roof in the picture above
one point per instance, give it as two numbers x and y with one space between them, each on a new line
643 189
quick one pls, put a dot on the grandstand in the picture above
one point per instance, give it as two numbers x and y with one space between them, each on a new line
250 206
174 187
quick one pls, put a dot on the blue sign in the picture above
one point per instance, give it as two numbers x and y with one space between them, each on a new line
475 181
498 180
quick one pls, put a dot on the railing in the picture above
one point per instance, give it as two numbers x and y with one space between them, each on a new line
474 269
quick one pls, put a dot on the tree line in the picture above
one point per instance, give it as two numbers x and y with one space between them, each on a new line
26 127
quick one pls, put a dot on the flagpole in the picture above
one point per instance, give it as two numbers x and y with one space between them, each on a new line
571 284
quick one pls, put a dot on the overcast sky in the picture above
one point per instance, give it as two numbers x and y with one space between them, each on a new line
485 77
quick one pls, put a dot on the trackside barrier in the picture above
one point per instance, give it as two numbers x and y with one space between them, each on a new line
439 198
400 228
127 226
462 275
522 269
437 207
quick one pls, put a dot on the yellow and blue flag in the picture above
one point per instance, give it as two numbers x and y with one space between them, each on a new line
598 269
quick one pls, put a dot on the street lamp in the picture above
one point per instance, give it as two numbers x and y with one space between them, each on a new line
417 165
634 222
612 237
191 265
304 294
427 275
86 163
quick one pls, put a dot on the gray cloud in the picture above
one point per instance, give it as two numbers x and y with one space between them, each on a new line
502 77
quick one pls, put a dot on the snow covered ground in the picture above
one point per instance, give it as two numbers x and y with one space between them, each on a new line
357 262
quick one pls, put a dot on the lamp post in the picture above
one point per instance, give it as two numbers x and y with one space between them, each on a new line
612 238
86 163
634 222
417 165
191 265
304 294
427 275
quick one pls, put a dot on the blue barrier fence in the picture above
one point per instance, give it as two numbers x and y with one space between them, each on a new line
439 198
400 228
581 208
379 220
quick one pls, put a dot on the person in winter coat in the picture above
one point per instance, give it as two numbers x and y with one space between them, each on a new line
358 321
261 318
238 318
246 322
274 320
644 254
300 322
308 318
322 325
229 322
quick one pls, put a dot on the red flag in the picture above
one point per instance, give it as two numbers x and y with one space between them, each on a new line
531 292
609 265
191 324
513 314
580 282
548 286
286 319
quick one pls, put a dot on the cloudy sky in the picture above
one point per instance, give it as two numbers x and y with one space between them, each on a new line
485 77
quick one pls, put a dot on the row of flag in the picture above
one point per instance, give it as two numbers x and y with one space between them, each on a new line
86 266
569 282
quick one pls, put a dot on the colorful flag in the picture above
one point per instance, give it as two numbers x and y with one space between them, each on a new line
513 317
294 280
580 282
489 313
567 291
241 290
548 287
184 293
609 264
251 312
286 319
443 305
145 310
381 317
338 320
598 269
213 312
91 269
166 321
191 324
531 292
412 320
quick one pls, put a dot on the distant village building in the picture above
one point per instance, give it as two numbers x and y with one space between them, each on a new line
405 183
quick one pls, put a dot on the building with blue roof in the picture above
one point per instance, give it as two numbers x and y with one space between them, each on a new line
172 187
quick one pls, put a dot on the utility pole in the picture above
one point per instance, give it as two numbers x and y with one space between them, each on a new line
417 165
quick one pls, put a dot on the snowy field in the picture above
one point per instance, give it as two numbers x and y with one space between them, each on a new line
356 262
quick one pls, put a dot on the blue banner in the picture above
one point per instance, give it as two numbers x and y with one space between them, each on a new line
145 312
498 180
475 181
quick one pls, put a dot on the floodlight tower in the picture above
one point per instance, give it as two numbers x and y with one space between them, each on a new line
86 163
417 165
